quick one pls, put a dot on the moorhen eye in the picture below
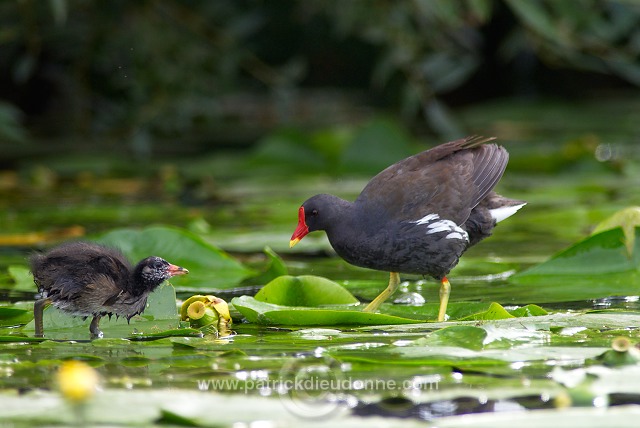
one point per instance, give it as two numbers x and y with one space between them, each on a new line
419 215
86 279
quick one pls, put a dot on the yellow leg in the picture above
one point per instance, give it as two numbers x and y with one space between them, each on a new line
445 290
394 282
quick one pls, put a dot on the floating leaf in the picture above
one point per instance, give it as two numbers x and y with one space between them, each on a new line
305 290
209 267
462 311
494 312
270 314
528 311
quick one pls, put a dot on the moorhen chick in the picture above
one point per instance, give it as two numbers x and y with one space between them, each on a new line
86 279
417 216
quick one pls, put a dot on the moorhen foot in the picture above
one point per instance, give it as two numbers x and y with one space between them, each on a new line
417 216
86 279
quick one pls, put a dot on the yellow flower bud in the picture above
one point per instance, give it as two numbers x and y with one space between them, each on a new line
77 381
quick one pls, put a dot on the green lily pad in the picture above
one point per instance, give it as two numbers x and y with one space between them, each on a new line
495 311
304 290
528 311
264 313
462 311
209 267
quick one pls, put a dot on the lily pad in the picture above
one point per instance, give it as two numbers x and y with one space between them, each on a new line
209 267
304 290
271 314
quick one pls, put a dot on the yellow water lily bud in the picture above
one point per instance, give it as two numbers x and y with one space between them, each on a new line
77 381
203 311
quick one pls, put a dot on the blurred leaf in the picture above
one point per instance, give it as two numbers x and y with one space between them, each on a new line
209 267
595 267
533 14
59 10
446 72
290 149
275 268
481 9
600 254
305 290
11 129
627 219
22 278
375 146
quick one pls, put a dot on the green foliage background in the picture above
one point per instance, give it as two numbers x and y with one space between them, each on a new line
223 72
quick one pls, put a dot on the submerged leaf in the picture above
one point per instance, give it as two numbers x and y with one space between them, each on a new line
464 336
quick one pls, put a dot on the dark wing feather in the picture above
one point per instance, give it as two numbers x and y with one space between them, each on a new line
489 166
448 180
97 293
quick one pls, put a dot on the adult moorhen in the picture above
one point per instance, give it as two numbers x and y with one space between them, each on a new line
86 279
417 216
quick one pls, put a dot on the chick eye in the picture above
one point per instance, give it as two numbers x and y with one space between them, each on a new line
158 264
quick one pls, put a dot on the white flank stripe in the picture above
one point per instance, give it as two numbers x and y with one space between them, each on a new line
501 213
427 219
439 227
457 235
